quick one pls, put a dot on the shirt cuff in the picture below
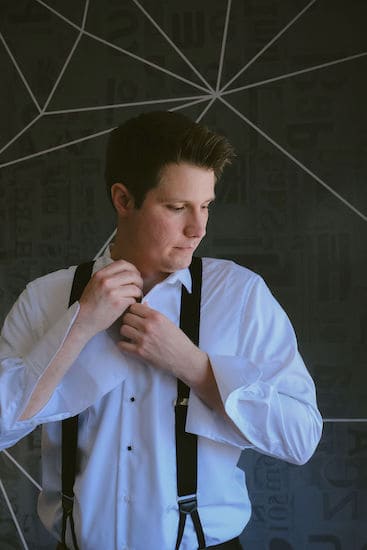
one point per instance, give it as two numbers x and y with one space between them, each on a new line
98 369
43 353
33 364
233 375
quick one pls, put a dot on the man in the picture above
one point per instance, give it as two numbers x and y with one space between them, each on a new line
115 356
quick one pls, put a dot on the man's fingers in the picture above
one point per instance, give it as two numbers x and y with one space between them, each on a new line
132 320
131 333
123 278
118 266
108 294
127 346
112 276
141 310
131 291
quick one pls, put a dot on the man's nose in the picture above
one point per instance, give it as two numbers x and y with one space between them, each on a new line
196 225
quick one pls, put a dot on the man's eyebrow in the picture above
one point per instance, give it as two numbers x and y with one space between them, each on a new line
178 199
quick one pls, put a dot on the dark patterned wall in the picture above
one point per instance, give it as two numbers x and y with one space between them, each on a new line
286 81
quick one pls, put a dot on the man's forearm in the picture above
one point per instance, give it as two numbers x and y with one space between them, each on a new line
201 379
56 370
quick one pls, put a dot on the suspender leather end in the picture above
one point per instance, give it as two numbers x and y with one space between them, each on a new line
67 503
188 505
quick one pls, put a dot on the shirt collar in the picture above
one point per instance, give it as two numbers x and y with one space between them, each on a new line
181 276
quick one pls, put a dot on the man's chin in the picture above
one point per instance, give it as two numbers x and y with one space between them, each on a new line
182 259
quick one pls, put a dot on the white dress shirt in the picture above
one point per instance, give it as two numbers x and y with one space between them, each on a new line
125 496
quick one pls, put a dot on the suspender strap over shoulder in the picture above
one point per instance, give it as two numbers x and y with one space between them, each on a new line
186 443
69 437
81 277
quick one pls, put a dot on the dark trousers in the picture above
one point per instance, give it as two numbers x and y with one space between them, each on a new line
233 544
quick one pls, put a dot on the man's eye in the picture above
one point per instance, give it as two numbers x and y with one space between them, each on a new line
175 208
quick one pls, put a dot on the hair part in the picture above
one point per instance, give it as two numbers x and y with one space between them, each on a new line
143 146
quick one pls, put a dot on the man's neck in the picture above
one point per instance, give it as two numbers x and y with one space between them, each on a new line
150 279
150 282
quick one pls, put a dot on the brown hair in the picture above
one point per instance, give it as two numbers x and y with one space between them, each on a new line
141 147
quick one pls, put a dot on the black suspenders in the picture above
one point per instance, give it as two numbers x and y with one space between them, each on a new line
186 443
69 436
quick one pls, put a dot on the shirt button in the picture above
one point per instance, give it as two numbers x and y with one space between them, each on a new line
129 448
132 399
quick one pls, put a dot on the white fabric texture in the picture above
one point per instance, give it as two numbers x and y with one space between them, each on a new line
125 496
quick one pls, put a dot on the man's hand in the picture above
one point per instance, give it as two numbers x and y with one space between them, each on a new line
107 295
152 337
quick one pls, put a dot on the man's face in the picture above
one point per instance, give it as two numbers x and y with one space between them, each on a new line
165 231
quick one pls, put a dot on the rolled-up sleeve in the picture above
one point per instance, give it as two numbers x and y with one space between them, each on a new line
24 356
267 392
34 331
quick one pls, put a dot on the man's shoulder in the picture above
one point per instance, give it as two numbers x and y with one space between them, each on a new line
52 290
235 286
227 278
44 299
54 278
222 268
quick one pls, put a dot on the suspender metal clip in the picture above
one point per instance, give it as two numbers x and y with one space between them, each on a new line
67 503
181 402
188 505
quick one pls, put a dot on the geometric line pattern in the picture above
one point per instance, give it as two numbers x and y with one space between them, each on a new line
269 44
223 48
209 95
85 138
12 513
345 420
177 50
27 475
325 65
293 158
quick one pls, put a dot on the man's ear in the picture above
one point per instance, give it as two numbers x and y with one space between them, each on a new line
121 197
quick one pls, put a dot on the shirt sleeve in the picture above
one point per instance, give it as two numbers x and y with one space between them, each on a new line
267 392
33 333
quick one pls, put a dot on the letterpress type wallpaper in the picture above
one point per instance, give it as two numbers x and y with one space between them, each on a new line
286 81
